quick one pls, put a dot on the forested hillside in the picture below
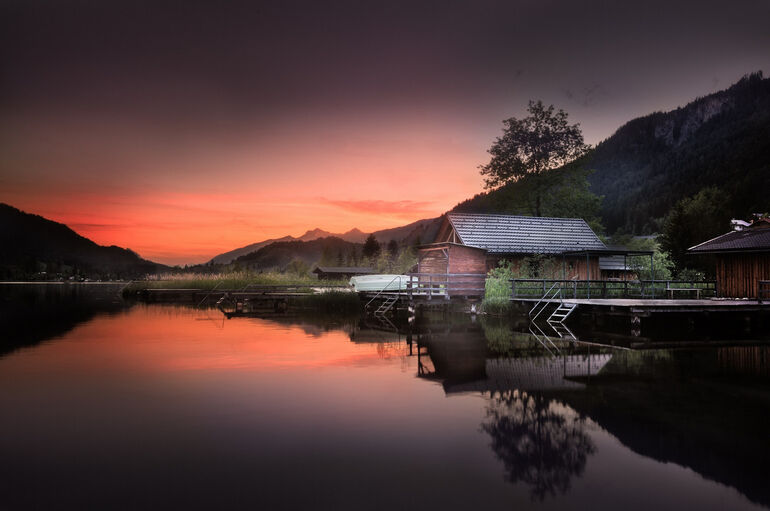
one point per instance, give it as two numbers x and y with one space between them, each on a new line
31 245
721 141
279 255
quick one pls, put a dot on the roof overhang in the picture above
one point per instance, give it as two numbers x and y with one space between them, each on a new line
445 244
608 252
729 251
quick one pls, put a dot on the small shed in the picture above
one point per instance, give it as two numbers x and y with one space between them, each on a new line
742 259
341 272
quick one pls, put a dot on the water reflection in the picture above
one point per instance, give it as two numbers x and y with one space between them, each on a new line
33 313
541 443
153 397
700 407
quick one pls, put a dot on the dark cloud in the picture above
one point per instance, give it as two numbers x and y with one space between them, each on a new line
218 65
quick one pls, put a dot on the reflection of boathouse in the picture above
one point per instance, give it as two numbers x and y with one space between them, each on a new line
464 363
535 373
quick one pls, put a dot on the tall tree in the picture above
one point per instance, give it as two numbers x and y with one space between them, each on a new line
694 220
542 141
371 247
393 249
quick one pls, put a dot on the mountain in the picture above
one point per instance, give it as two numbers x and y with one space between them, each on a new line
232 255
649 164
721 140
30 244
279 254
353 235
420 230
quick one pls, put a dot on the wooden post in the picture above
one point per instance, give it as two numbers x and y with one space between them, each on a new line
652 275
430 285
513 288
588 277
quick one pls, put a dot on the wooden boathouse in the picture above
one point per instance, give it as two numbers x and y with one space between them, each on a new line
476 243
742 261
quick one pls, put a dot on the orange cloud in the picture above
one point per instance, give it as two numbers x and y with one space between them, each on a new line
400 208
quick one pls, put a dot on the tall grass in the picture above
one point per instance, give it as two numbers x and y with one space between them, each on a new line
228 280
497 295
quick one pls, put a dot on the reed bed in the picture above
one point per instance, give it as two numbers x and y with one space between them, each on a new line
229 280
497 296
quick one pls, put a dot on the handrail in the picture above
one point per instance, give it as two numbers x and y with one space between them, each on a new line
544 298
534 288
383 289
209 293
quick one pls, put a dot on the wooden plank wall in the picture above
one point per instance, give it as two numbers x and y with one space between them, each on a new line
432 261
737 274
467 260
575 266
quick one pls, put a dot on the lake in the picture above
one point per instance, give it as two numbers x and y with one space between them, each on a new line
112 405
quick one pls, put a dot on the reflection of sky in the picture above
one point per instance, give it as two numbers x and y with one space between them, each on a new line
161 406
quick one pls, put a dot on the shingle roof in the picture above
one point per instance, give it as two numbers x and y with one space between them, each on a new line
505 234
751 239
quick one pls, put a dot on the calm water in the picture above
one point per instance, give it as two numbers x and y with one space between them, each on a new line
111 406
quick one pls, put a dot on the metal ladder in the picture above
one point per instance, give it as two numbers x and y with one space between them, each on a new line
386 305
563 331
562 312
542 338
540 306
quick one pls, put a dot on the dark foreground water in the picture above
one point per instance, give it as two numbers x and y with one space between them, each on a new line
110 406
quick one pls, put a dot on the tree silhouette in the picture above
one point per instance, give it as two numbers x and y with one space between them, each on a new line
371 247
392 249
538 444
543 140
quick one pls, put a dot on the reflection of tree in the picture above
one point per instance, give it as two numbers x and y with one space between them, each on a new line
539 442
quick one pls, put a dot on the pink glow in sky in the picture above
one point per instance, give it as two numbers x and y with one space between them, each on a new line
192 199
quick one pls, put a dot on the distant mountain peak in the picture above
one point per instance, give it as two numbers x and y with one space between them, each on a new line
314 234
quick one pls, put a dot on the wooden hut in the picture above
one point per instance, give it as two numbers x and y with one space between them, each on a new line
742 259
475 243
341 272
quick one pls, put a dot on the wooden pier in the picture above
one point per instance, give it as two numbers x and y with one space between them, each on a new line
246 300
648 306
427 290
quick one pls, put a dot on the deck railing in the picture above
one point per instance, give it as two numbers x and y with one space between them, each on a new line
536 288
446 284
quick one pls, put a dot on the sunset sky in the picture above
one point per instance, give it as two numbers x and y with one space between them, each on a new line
183 129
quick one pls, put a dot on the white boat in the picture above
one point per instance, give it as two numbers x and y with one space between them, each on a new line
380 282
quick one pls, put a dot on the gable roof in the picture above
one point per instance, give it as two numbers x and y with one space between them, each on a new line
755 239
507 234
